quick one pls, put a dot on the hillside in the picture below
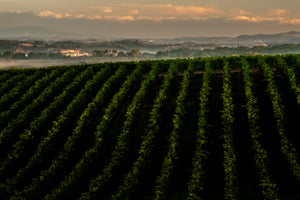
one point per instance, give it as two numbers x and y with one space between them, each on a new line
203 128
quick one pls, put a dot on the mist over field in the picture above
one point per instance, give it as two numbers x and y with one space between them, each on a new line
16 64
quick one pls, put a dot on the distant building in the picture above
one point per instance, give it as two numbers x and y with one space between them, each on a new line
73 53
26 45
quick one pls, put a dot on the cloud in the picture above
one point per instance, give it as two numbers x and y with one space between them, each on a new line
169 10
120 18
95 17
255 19
51 14
107 10
277 12
79 16
191 10
156 19
101 8
134 12
238 12
276 15
68 15
156 10
183 10
294 21
259 19
164 12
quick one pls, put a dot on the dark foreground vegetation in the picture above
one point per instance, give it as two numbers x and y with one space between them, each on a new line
205 128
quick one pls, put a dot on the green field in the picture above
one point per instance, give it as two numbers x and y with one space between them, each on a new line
205 128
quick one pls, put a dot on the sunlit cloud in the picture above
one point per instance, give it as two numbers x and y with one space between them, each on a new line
134 12
238 12
68 15
161 12
255 19
13 11
276 15
280 20
192 10
79 16
157 19
120 18
109 18
158 10
51 14
179 11
294 21
101 8
107 10
277 12
95 17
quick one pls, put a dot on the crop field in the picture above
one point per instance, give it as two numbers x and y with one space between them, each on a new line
203 128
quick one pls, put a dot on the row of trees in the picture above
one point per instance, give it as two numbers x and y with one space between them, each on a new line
116 53
174 53
96 53
229 51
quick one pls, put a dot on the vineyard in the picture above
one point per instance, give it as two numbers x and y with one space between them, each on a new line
204 128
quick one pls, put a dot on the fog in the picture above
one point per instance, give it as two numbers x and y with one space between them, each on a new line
14 64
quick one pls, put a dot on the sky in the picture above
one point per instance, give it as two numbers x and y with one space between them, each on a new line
156 18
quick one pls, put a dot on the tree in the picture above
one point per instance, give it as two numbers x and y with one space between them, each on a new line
160 54
98 53
32 55
56 55
122 54
8 54
135 53
19 56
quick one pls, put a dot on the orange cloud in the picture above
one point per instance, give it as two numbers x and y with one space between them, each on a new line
277 12
120 18
160 12
101 8
79 16
50 14
281 20
238 12
157 19
107 10
192 10
94 17
181 10
55 15
254 19
275 15
134 12
294 21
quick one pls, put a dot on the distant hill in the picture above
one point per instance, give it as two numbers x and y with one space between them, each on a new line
292 37
29 33
42 33
288 37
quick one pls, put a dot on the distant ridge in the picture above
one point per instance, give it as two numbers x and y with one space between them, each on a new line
43 33
291 37
287 37
29 32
